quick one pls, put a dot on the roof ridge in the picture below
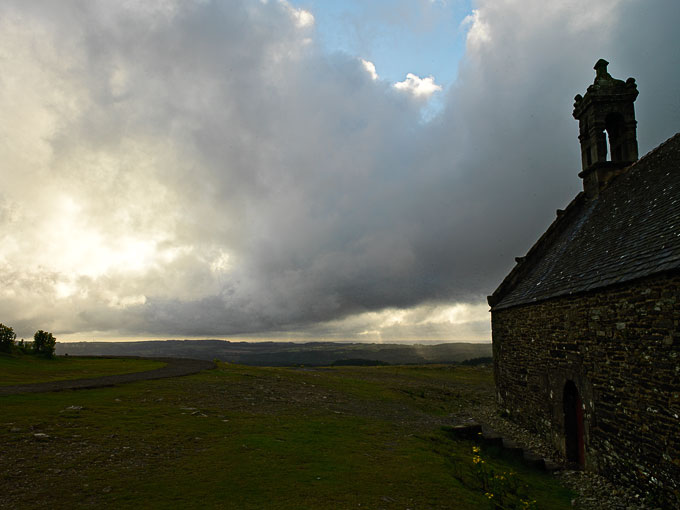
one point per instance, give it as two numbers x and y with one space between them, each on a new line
564 218
650 186
634 168
654 151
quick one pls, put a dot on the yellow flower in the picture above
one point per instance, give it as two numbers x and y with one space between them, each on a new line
476 449
489 494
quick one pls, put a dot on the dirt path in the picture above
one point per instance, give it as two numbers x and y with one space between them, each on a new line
175 367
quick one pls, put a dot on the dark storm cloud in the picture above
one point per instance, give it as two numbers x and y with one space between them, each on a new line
213 173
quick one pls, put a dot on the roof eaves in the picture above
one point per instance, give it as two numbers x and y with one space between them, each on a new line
666 269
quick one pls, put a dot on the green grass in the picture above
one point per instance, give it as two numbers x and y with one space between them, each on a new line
24 369
251 438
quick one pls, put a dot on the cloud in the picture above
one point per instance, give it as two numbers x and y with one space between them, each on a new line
203 168
478 30
302 17
419 87
370 68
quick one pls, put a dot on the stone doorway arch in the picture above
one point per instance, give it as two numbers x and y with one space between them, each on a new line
573 424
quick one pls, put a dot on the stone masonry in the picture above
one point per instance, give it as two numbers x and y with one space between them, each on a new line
620 346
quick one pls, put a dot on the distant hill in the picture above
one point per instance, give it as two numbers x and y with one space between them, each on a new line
282 353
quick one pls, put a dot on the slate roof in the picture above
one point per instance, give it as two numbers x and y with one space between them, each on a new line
631 230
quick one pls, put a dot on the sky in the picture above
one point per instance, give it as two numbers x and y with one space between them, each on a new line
302 170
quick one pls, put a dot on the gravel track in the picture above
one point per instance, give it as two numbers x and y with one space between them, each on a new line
175 367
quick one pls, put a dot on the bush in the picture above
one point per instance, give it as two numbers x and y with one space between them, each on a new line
475 362
7 337
24 347
359 362
43 343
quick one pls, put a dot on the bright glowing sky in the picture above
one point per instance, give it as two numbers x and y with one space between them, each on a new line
296 170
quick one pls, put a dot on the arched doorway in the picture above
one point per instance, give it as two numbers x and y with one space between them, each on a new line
573 424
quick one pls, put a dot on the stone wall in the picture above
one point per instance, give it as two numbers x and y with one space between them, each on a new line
621 347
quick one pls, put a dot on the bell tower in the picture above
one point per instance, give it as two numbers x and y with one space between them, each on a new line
607 128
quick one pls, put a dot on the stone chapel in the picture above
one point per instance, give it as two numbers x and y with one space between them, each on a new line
586 326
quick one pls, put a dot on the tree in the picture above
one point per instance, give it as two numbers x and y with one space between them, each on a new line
43 343
7 337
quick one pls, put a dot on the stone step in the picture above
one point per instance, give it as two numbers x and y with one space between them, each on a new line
466 430
551 466
482 432
512 448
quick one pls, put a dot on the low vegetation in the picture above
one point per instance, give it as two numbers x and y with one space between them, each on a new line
253 437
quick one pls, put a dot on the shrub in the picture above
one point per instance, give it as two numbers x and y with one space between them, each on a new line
475 362
24 347
7 337
502 489
43 343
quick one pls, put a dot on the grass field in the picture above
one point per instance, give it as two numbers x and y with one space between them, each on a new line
30 369
259 438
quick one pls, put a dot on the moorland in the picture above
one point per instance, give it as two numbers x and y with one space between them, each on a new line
261 437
